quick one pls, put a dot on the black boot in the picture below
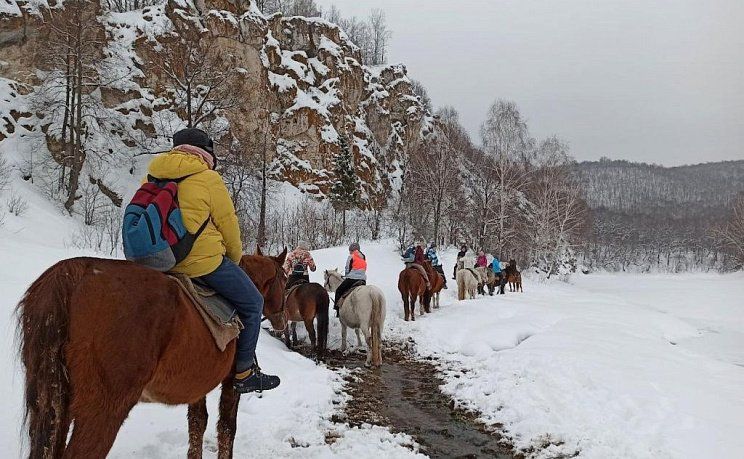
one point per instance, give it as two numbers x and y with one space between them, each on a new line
253 380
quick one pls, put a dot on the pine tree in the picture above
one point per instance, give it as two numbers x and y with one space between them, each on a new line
344 194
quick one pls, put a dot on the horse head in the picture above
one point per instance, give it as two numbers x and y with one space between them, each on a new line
332 274
267 274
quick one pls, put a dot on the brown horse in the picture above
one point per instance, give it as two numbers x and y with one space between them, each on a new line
412 285
98 336
304 303
514 277
436 279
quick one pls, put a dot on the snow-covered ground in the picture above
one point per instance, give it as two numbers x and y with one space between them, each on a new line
608 365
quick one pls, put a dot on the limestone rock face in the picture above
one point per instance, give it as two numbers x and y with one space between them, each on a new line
297 81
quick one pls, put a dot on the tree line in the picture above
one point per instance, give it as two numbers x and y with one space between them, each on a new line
510 194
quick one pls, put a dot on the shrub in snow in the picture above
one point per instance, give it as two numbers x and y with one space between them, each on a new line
17 205
4 174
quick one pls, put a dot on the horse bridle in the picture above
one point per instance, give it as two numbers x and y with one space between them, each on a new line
327 285
283 310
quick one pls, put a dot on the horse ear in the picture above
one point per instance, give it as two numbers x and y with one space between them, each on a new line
258 250
282 256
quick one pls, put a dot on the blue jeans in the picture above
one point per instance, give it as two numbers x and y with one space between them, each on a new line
230 281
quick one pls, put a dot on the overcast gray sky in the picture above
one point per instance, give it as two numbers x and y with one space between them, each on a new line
652 81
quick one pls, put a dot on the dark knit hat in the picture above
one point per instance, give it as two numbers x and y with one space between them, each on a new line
197 138
353 246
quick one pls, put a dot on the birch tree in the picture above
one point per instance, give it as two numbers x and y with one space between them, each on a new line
506 139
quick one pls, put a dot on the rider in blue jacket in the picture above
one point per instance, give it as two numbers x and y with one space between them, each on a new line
431 255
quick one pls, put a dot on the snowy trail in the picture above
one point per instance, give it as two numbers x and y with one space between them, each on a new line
608 366
404 394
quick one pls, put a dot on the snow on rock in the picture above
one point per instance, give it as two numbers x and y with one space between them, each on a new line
304 71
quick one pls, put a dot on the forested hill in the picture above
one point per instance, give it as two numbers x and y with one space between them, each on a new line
649 217
639 188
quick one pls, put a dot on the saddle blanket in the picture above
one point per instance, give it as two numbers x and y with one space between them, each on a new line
218 314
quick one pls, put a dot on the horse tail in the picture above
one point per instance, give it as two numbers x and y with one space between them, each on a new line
322 303
378 305
43 315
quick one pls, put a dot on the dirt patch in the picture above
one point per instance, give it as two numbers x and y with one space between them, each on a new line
404 395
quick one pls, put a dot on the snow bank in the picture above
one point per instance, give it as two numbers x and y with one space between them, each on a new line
609 366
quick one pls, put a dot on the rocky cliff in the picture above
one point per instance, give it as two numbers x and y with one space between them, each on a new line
296 82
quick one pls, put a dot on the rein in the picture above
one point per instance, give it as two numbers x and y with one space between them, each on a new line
282 311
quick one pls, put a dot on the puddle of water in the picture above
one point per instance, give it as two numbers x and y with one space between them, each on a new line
404 394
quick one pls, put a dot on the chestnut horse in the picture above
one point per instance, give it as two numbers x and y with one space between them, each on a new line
98 336
412 285
436 279
304 303
514 277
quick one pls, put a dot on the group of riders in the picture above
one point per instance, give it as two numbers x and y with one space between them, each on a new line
210 229
210 224
415 255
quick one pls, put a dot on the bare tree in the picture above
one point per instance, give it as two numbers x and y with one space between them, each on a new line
201 82
506 139
730 235
307 8
379 38
332 15
420 91
73 40
557 213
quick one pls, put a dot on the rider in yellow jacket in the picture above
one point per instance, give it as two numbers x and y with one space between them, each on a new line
202 196
216 253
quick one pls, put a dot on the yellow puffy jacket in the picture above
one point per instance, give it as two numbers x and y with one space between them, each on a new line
200 196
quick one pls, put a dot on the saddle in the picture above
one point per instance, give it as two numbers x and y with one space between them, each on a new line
353 287
475 273
218 314
293 284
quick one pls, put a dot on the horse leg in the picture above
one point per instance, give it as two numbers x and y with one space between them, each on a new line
197 416
311 333
228 422
294 333
413 306
405 306
343 337
287 342
359 339
368 340
96 426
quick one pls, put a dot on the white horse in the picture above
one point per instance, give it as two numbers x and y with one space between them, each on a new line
467 283
363 309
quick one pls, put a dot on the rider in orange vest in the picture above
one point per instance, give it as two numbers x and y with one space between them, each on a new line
355 272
